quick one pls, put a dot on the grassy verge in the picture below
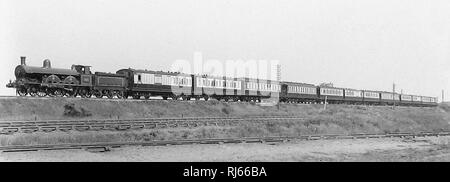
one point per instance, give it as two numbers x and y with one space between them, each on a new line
311 126
337 119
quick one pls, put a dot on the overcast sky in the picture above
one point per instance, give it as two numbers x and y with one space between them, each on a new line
365 44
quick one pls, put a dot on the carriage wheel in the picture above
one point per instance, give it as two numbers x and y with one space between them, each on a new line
88 94
70 80
108 94
206 97
42 92
50 92
70 93
32 91
174 97
59 92
98 94
136 96
164 98
119 94
147 96
82 93
22 91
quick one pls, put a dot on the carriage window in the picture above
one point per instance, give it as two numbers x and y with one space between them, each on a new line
139 78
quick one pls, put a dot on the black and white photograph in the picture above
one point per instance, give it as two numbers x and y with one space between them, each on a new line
225 81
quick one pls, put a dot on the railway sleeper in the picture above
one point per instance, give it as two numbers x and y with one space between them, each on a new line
193 124
65 129
314 137
111 127
98 127
29 129
162 125
150 126
123 127
9 130
137 127
82 128
48 129
184 124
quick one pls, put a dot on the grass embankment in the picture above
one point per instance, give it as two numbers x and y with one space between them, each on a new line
337 119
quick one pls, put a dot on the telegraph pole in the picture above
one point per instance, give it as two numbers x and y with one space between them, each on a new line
279 80
393 95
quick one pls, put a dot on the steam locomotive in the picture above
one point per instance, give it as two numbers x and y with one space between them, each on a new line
80 81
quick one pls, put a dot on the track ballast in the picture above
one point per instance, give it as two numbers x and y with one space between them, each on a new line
102 147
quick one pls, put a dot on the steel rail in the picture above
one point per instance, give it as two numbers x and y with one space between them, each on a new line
127 124
106 146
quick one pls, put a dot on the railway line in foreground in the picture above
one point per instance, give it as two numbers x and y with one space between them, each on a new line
102 147
11 127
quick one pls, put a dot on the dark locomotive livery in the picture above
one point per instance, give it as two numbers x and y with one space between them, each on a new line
80 81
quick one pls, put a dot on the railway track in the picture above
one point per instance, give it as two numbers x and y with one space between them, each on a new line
101 147
12 127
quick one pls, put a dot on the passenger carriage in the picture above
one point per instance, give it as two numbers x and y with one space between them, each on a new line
353 96
389 98
417 100
429 101
216 87
257 89
146 83
298 92
371 97
406 99
331 94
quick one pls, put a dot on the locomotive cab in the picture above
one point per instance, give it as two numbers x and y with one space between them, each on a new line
86 74
82 69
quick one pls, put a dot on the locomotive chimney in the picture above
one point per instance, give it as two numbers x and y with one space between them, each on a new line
22 60
47 64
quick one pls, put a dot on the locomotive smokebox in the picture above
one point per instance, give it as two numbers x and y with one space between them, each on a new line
47 64
22 60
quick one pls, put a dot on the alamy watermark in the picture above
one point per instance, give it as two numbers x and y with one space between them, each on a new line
224 74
